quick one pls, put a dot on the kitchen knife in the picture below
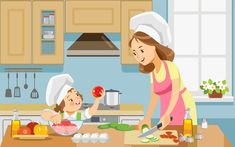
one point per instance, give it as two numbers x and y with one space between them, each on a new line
153 129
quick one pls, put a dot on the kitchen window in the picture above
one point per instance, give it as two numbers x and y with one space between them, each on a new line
202 40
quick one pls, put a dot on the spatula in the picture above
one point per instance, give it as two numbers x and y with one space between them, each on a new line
17 88
34 93
8 90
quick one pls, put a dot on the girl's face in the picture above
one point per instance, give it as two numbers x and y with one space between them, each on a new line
73 101
143 53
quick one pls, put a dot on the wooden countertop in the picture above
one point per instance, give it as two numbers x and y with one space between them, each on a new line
36 109
213 136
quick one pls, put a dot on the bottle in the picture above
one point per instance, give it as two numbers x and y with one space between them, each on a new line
15 123
188 124
204 123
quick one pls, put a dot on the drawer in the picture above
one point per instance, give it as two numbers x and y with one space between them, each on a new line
93 16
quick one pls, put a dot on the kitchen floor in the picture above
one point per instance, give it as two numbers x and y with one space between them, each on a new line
227 126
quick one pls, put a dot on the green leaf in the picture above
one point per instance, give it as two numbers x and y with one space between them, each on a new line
223 92
224 82
201 87
217 90
210 81
210 91
204 82
227 89
206 91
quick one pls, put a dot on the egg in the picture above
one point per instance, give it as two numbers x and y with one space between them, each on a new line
104 137
77 138
86 137
94 137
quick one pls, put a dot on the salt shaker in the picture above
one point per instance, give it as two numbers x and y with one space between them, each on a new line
204 123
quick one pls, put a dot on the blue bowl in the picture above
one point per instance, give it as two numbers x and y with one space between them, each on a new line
67 130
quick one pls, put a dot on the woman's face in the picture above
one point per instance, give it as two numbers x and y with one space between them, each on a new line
143 53
73 101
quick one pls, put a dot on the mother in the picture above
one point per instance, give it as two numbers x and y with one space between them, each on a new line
149 47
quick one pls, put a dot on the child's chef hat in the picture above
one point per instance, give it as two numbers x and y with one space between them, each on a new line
152 24
57 88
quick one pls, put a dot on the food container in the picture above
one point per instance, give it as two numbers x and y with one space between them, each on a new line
66 129
46 20
112 97
52 19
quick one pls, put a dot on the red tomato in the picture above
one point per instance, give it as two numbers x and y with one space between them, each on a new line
65 122
168 133
97 90
176 140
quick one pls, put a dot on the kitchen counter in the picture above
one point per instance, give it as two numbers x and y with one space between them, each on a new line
36 109
117 138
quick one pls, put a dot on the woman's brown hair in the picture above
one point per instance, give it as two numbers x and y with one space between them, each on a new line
163 52
60 107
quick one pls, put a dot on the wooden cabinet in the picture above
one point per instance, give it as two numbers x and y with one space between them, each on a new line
93 16
16 36
24 37
129 9
48 34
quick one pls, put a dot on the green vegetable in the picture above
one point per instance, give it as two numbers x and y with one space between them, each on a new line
113 125
124 127
145 140
105 126
150 136
119 127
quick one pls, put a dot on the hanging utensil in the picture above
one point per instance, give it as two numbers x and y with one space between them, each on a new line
25 85
17 88
8 90
34 93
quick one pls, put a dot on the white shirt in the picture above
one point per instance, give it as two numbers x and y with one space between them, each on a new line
84 114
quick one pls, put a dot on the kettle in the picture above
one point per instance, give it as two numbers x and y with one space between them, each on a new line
112 97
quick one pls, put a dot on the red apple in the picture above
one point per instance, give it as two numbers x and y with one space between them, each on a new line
24 131
97 90
31 125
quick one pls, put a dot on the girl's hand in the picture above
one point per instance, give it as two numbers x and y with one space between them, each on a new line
165 120
56 119
144 121
102 93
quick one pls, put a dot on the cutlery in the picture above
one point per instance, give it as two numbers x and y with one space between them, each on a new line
34 93
25 85
8 90
17 88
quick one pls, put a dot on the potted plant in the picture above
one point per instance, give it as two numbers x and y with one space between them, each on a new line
214 89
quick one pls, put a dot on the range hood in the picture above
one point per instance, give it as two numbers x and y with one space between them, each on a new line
93 44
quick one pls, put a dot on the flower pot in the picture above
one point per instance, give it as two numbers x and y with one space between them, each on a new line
215 95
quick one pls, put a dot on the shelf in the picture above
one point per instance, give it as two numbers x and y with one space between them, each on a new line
48 40
205 99
48 25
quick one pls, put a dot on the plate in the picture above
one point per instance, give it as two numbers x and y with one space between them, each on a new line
31 137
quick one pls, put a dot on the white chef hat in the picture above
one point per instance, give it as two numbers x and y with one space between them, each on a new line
152 24
57 88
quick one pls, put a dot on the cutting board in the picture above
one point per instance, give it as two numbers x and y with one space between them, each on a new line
131 138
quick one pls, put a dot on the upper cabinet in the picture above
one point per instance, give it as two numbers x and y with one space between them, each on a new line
93 16
32 32
16 30
48 45
130 8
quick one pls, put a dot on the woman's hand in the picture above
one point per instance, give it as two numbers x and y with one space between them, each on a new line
56 119
144 121
165 120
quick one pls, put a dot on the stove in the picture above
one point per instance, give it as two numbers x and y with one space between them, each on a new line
101 107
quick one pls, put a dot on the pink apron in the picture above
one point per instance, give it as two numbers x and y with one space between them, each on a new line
164 90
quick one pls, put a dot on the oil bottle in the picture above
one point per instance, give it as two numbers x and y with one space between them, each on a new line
188 124
15 123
